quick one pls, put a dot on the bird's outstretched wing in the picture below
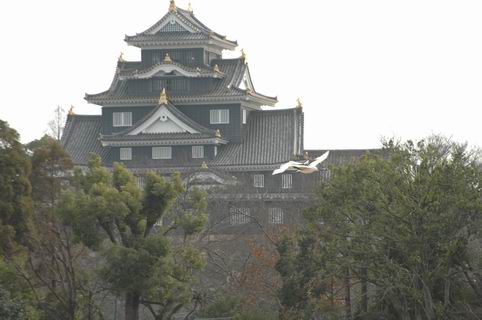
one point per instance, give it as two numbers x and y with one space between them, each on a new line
320 159
284 167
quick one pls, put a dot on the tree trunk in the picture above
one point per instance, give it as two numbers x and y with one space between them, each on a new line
132 306
348 295
364 290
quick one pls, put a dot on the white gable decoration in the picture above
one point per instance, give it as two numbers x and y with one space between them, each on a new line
173 24
246 82
162 121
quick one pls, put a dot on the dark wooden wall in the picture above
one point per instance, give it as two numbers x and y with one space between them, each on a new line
201 114
137 114
181 155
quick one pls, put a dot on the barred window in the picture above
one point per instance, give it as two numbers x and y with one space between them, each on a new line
325 174
286 181
122 119
141 182
275 216
239 216
125 154
219 116
197 152
161 152
245 116
259 180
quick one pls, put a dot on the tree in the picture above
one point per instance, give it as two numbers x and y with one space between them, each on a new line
56 125
402 224
56 269
15 190
50 169
147 267
11 309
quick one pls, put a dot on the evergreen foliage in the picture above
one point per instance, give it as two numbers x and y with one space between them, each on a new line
391 236
108 212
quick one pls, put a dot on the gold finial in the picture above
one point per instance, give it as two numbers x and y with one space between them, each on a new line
204 166
71 111
167 58
163 97
172 6
189 8
121 57
299 104
243 55
216 68
218 134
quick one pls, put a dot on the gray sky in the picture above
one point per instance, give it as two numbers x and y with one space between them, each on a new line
364 69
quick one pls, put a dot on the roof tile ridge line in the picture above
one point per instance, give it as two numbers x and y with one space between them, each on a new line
188 16
227 59
199 28
232 81
69 133
112 86
148 30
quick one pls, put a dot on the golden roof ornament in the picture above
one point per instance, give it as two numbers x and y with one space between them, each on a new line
167 58
204 166
172 6
163 97
299 104
121 57
218 134
189 8
71 111
216 68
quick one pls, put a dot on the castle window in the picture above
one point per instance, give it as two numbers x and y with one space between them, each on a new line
325 174
122 119
141 182
125 154
215 151
259 180
275 216
245 116
161 152
286 181
197 152
239 216
219 116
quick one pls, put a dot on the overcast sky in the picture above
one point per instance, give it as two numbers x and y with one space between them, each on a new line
364 69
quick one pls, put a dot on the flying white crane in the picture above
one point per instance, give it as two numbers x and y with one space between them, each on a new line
302 167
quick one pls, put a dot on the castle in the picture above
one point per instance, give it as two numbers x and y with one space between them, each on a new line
184 108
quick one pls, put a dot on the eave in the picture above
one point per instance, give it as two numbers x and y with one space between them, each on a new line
159 141
168 68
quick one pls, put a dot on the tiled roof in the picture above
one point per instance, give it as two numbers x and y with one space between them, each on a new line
202 31
269 138
227 87
81 137
200 71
